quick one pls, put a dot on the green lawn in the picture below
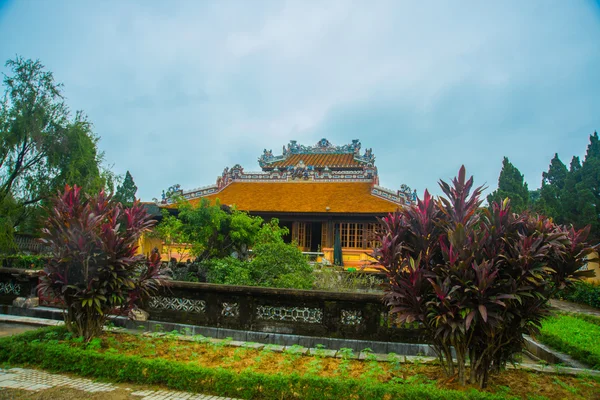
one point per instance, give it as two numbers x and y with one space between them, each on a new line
578 336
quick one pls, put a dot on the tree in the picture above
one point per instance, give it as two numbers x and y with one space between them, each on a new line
126 191
79 162
94 267
41 148
588 189
215 231
511 184
569 196
279 264
553 184
171 232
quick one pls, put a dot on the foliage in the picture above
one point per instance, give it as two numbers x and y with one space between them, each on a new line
24 261
170 231
94 268
553 184
216 232
125 193
279 264
588 188
572 196
9 215
221 238
228 271
274 264
477 279
339 280
583 293
79 161
574 336
41 147
569 198
511 184
31 348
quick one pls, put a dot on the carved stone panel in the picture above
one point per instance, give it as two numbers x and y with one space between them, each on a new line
352 317
177 304
294 314
230 310
10 288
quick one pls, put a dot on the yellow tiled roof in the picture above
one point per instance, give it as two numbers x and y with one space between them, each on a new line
313 197
318 160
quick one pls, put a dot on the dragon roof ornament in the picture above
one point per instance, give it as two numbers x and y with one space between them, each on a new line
323 146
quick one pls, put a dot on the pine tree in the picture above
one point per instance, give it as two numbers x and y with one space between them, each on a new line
511 184
126 192
569 198
588 189
553 183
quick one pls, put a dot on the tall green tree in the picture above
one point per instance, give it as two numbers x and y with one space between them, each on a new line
588 188
41 147
569 196
126 191
553 184
511 184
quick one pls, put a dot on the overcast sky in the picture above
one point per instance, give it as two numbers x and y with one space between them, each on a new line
179 90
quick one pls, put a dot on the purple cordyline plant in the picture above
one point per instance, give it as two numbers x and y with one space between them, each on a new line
94 269
476 278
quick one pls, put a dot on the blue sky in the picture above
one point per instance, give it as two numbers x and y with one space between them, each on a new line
179 90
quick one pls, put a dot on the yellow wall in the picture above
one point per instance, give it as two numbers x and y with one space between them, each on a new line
146 244
594 266
353 258
178 251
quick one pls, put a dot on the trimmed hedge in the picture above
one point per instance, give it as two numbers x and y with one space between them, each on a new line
583 293
573 335
23 261
55 356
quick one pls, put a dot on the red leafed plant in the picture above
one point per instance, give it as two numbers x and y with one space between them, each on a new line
476 278
94 267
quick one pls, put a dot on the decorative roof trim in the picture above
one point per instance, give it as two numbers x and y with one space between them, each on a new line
324 146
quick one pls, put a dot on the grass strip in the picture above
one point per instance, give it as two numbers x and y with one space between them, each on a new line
573 335
52 355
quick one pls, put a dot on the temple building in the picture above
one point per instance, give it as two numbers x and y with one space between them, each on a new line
317 192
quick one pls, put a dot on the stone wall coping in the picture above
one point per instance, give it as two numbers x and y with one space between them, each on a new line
280 292
21 271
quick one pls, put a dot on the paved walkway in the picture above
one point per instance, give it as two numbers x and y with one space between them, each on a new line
567 306
35 381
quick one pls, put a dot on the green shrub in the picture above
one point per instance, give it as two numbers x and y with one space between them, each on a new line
24 261
61 357
274 264
574 336
583 293
279 264
228 271
334 278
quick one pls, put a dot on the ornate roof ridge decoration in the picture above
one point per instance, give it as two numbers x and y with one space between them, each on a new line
402 196
323 146
299 170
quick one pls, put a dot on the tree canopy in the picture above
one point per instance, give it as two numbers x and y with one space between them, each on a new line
42 147
125 193
572 196
511 184
553 184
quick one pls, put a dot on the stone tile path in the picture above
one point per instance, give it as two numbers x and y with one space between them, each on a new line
34 380
567 306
